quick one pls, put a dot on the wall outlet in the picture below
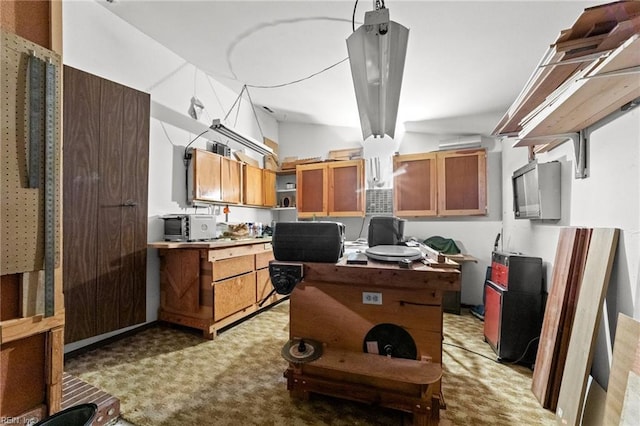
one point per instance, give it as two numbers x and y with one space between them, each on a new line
371 298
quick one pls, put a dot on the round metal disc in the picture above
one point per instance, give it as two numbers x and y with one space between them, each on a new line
391 340
393 253
294 352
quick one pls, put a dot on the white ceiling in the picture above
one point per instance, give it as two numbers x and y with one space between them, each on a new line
466 60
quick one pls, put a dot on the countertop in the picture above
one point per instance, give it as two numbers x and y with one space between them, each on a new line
212 244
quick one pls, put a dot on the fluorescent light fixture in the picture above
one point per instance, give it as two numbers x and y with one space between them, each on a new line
246 141
377 52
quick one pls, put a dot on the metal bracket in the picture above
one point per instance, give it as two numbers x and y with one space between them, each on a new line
580 154
579 140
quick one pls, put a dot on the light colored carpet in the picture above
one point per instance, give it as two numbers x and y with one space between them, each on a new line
166 376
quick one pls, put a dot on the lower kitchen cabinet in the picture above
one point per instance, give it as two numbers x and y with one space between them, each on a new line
212 285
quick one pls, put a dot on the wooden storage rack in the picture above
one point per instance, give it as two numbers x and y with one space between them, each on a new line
590 72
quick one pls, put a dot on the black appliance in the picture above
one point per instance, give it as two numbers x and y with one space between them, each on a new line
385 231
513 306
308 241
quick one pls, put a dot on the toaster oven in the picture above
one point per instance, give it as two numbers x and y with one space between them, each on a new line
189 227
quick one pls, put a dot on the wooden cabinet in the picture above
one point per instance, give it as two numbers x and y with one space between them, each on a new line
211 285
106 143
214 178
259 186
253 185
230 180
331 189
269 187
445 183
414 185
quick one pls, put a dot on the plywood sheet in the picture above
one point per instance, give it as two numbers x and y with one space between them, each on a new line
624 355
602 249
22 208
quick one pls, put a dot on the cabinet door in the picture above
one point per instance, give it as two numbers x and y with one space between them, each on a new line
253 185
346 188
233 295
269 188
311 190
105 203
414 185
231 188
206 176
462 187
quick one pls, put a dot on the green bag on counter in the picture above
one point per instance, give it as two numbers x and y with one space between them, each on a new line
443 245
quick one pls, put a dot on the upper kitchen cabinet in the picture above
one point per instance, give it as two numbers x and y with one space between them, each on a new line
330 189
269 187
445 183
259 186
214 178
414 185
588 73
312 187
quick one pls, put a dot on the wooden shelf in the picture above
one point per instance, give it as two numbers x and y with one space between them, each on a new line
590 72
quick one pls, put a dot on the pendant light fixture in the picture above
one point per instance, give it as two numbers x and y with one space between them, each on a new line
377 52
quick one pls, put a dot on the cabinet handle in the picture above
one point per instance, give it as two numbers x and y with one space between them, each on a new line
129 203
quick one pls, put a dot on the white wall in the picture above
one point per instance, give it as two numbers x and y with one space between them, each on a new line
609 197
99 42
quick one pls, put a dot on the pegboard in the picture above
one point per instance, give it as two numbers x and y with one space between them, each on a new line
22 208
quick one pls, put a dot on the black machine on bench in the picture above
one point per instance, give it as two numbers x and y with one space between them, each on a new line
296 242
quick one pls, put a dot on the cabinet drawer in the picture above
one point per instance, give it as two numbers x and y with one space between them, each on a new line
233 266
233 295
262 259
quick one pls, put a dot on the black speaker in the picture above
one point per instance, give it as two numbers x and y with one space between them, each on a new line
308 241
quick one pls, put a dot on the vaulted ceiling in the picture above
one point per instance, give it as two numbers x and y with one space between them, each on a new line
466 60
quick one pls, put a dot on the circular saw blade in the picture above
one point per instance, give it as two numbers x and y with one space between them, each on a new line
301 350
392 340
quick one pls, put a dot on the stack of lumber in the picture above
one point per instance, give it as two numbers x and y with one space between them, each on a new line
290 163
603 40
568 268
582 268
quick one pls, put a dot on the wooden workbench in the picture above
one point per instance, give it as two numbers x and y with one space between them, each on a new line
327 306
209 285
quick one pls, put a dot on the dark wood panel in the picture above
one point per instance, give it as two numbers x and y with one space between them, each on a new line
461 177
345 177
106 153
141 179
128 202
416 179
311 200
80 199
9 296
110 208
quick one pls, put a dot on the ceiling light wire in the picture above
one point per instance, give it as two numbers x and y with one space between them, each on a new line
275 86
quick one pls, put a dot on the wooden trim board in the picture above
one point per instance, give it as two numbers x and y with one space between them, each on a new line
625 353
552 322
594 285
